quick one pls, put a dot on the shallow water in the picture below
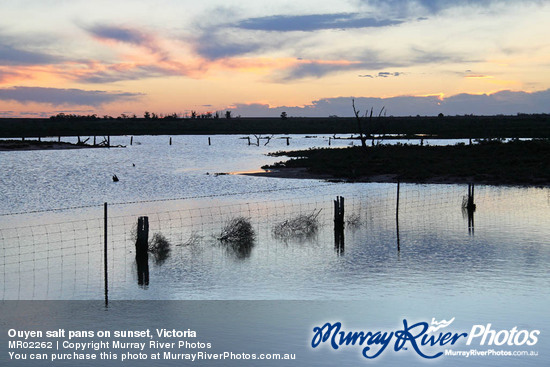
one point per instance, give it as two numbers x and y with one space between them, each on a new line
506 250
148 169
428 263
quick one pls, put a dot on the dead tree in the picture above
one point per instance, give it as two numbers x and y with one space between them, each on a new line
361 125
258 137
268 140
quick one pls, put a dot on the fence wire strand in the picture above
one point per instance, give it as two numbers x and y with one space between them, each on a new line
64 260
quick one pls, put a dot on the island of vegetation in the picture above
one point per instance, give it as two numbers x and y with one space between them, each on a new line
488 161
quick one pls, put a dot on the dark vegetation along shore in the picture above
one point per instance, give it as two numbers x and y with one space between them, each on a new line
11 145
20 145
487 162
442 127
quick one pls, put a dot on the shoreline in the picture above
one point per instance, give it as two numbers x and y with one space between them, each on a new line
303 174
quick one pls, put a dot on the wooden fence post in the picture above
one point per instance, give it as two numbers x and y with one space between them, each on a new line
470 208
142 247
339 224
339 212
471 205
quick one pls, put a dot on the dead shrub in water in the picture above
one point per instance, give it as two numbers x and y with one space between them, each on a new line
194 239
464 202
159 247
302 227
238 236
237 229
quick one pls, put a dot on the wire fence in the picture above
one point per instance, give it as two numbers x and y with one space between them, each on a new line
65 260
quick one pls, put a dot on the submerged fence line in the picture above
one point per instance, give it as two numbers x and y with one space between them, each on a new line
183 198
66 259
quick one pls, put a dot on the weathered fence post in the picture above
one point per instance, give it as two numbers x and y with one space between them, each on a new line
59 139
94 141
108 141
170 143
209 142
142 245
287 141
329 139
131 140
339 224
248 137
470 208
39 139
105 263
339 212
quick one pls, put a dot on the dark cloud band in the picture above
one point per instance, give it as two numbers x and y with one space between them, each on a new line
59 97
504 102
314 22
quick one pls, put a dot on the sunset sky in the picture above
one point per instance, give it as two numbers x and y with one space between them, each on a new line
260 58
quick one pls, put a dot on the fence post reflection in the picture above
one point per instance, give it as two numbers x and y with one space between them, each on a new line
339 225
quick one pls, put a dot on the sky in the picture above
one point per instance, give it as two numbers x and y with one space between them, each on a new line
260 58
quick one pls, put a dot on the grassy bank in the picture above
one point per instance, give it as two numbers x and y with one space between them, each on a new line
453 127
514 163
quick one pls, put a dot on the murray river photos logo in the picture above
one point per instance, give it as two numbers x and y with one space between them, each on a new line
423 338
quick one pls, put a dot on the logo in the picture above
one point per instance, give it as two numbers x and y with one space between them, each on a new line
423 338
439 325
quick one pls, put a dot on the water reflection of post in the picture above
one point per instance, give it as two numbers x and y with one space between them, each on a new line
142 257
471 222
397 218
339 243
397 231
339 225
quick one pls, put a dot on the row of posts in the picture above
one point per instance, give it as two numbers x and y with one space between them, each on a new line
339 211
108 141
210 142
142 238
